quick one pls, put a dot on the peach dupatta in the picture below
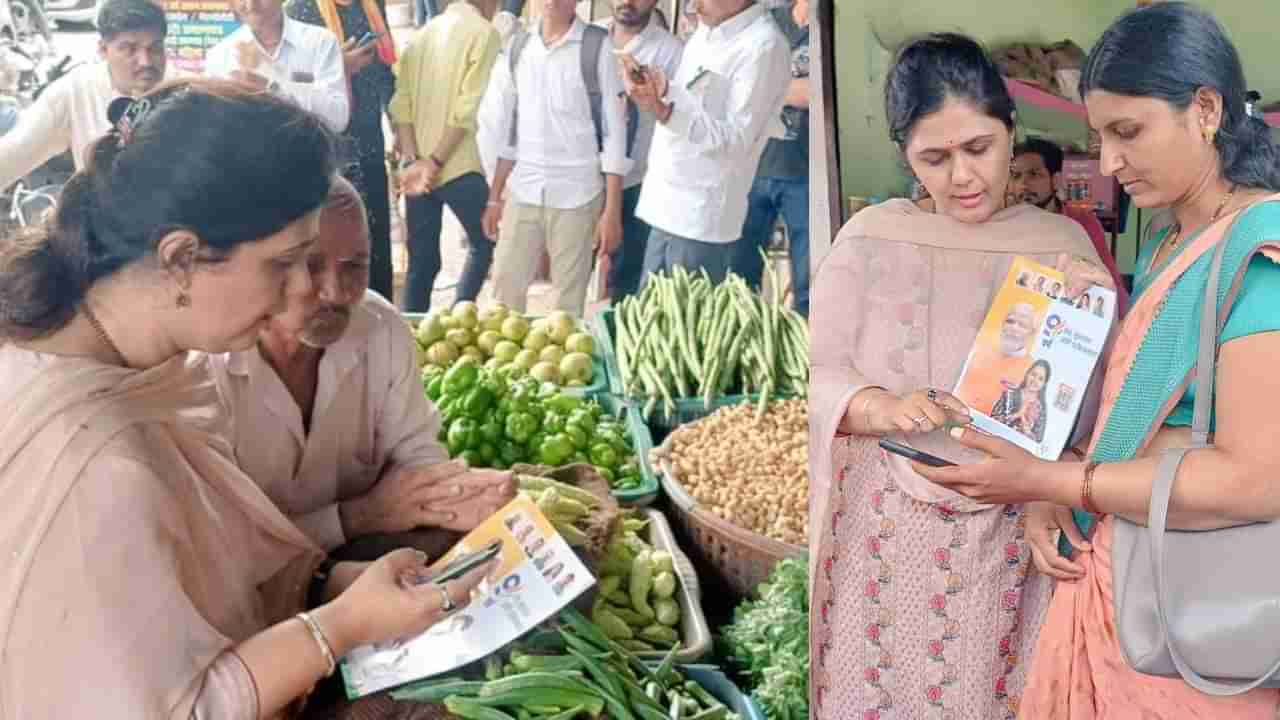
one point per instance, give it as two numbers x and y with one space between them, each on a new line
136 551
1079 671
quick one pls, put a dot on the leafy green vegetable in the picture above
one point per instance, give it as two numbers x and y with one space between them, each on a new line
769 640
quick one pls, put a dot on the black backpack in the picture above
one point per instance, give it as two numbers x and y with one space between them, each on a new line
594 38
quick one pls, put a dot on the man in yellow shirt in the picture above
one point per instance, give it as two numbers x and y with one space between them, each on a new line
443 75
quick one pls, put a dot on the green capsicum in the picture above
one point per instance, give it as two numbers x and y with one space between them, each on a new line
461 377
509 452
491 430
563 404
472 458
461 435
520 427
435 387
607 474
477 402
488 453
603 455
553 422
577 436
554 450
583 419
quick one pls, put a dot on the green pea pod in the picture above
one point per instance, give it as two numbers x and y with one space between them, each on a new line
613 626
664 585
547 390
667 612
640 583
608 583
660 635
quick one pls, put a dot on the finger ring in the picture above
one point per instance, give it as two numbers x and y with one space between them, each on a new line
920 421
932 395
446 605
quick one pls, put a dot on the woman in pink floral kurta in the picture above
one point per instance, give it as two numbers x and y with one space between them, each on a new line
924 602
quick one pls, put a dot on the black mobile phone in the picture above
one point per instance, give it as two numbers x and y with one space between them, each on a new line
368 38
466 562
913 454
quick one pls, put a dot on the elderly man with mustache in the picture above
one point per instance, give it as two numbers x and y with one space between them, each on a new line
329 413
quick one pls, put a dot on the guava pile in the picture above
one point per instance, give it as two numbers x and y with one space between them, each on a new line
550 349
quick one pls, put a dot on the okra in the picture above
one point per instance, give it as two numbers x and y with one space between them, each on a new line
605 679
543 696
436 691
468 709
700 694
589 632
568 681
569 714
546 663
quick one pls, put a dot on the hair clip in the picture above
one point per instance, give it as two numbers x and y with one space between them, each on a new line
125 114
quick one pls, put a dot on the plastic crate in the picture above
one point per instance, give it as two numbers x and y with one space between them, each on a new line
599 374
723 689
642 442
695 634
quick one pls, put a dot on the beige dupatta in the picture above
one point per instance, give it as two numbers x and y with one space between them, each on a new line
133 614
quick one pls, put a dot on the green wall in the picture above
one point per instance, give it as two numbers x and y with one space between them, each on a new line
869 166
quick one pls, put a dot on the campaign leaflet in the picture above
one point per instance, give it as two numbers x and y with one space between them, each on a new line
537 575
1026 375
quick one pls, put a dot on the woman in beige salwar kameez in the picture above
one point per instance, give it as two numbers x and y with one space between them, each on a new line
924 603
145 576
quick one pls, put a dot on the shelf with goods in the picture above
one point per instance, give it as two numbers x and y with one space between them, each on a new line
1028 95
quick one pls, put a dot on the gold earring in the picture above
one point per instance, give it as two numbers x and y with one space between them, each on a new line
1209 133
183 301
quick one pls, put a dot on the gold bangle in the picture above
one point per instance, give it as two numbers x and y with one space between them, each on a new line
1086 488
325 649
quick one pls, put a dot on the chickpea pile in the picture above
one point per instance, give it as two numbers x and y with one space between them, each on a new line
752 473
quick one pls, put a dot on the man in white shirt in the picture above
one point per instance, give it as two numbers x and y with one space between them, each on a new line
635 30
714 117
329 414
273 52
72 112
551 162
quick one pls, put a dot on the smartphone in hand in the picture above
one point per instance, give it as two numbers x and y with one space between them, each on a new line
913 454
367 39
465 563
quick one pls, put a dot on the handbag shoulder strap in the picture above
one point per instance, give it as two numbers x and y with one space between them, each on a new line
1167 470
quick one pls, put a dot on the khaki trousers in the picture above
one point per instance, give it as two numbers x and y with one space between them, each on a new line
569 238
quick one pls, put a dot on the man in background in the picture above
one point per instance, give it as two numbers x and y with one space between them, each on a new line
443 74
72 112
1036 178
558 180
635 31
277 54
781 187
713 119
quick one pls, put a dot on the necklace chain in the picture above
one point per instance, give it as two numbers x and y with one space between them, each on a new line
1175 237
101 331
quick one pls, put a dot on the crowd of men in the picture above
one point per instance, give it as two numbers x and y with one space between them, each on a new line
613 146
